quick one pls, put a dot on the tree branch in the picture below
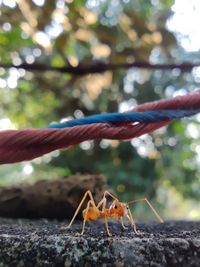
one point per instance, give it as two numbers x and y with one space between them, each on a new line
99 67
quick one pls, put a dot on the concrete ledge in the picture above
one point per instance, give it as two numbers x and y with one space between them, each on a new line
27 243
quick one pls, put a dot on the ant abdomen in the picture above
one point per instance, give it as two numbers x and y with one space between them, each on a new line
92 214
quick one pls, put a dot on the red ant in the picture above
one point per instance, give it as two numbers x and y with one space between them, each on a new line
117 210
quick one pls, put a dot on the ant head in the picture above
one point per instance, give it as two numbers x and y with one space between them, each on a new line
117 209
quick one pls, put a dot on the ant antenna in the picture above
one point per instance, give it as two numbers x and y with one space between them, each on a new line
152 208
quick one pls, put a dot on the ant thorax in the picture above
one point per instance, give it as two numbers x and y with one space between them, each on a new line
118 210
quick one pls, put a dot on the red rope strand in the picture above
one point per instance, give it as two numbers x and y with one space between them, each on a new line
27 144
179 102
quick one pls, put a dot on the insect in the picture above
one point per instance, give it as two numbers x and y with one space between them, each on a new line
117 210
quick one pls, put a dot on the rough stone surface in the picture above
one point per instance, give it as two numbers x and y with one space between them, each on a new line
27 243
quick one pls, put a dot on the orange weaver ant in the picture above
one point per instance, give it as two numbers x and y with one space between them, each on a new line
116 210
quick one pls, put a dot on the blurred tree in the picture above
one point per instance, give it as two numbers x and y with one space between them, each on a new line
80 33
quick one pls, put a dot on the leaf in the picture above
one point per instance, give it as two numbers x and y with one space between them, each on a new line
61 42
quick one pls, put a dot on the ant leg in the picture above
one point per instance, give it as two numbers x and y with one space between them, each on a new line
90 202
130 217
122 223
107 229
103 204
109 194
88 193
152 208
105 219
115 200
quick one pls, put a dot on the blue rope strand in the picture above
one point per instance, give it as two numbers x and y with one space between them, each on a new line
131 117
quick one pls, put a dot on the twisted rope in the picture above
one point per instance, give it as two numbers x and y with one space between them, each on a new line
27 144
